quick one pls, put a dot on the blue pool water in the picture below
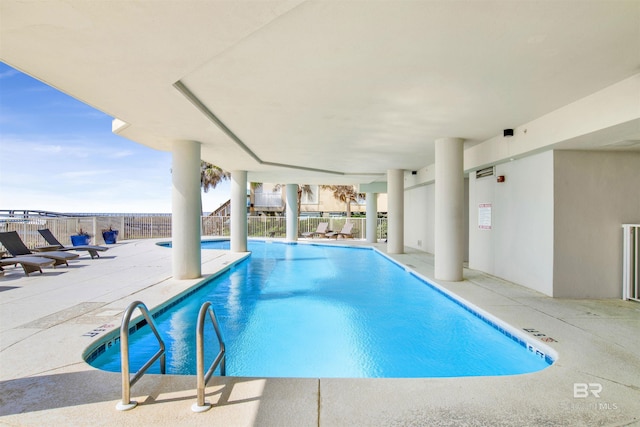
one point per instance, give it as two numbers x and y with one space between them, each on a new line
295 310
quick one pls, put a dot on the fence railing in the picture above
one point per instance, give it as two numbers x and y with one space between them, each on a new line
158 226
631 262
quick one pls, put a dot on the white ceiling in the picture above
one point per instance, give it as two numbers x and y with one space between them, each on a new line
351 87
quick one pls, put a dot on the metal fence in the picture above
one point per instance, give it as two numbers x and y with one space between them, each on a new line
62 228
158 226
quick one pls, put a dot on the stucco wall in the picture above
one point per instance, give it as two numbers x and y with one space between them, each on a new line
519 245
595 192
419 218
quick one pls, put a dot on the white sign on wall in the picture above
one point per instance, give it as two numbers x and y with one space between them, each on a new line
484 216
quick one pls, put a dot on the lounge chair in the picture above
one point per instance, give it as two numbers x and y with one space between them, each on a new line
320 231
16 247
29 263
345 232
56 245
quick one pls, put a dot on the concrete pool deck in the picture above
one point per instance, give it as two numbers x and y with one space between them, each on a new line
47 321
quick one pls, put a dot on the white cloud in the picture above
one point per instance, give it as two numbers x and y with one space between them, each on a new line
9 73
84 174
121 154
47 149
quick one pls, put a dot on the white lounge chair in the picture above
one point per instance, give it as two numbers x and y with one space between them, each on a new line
320 231
345 232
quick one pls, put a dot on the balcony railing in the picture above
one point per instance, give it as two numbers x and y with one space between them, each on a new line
147 226
268 200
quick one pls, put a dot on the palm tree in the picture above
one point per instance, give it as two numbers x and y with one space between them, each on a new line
307 191
346 194
210 177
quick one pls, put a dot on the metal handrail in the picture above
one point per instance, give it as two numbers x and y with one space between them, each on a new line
631 262
127 382
202 379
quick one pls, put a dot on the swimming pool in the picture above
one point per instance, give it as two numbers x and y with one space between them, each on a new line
299 310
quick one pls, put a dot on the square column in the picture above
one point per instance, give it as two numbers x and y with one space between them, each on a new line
449 209
372 217
395 213
238 211
185 201
292 212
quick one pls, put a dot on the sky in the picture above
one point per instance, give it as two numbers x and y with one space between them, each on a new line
59 154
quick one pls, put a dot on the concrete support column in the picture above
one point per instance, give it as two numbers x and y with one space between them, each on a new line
395 211
238 211
185 235
372 217
449 209
292 212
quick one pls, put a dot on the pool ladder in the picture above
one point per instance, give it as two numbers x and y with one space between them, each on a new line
202 379
201 405
126 403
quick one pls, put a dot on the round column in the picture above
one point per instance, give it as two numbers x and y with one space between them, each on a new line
185 200
292 212
372 217
395 212
449 209
238 211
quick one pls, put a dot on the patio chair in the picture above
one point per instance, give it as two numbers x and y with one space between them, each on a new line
29 263
56 245
16 247
345 232
320 231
